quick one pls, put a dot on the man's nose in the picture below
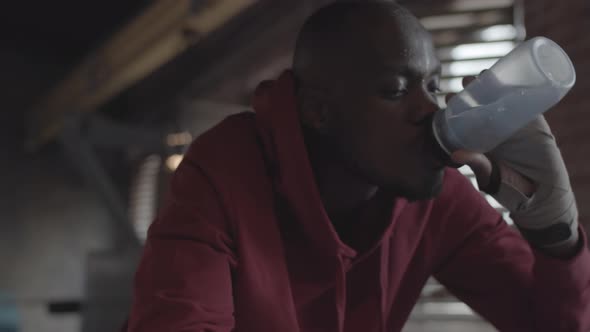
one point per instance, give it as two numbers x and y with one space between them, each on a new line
424 104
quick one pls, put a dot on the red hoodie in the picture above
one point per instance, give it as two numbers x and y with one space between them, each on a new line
244 244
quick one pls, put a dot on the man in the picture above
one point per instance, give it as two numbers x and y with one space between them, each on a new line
328 209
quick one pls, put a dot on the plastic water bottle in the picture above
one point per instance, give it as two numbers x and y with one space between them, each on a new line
514 91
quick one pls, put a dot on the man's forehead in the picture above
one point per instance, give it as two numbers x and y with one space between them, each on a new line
402 58
416 58
362 44
400 43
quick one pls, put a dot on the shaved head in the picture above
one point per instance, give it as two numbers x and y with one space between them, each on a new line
346 35
366 81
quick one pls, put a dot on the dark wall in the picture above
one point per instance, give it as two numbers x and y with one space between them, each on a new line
568 24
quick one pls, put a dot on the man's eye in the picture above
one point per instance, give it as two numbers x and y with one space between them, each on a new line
394 94
433 88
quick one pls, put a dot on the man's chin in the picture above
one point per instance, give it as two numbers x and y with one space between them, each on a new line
430 187
430 193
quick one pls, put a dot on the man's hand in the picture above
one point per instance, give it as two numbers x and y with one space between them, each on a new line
533 184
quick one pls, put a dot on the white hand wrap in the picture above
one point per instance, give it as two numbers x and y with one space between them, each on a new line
549 218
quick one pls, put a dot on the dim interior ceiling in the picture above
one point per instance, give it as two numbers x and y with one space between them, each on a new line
225 64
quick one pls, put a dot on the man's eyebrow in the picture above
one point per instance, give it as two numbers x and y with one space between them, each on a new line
408 71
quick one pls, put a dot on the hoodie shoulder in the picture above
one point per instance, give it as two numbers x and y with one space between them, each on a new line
230 153
232 141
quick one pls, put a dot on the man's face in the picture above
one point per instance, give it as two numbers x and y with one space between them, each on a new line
380 118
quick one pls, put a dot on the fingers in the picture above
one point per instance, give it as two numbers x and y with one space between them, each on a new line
468 79
517 180
473 159
449 96
478 162
465 81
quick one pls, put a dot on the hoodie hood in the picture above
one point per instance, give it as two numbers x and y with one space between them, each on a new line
278 123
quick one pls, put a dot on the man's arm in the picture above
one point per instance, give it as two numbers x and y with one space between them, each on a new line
183 282
495 271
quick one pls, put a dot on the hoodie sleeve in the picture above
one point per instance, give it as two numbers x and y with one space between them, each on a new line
489 266
183 282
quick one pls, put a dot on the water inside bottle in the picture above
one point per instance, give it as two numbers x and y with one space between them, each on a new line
481 128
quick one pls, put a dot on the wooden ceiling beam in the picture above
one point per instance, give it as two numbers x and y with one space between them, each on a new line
159 34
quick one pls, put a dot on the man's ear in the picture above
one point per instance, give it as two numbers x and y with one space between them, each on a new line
313 108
